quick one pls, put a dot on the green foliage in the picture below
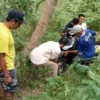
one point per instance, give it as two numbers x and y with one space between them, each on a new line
30 75
79 82
24 71
66 10
56 89
51 36
38 2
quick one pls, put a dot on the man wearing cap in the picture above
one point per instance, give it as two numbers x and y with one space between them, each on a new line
85 43
8 80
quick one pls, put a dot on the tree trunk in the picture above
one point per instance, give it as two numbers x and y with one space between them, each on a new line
41 26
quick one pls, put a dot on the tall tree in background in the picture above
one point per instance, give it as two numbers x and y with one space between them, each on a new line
41 26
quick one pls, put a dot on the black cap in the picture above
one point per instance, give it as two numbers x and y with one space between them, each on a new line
16 15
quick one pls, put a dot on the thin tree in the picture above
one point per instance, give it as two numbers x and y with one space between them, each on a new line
41 26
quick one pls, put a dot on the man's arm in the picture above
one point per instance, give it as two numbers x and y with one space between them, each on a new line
54 60
62 34
65 30
3 66
71 51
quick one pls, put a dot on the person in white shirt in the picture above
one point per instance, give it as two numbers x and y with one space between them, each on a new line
81 21
47 53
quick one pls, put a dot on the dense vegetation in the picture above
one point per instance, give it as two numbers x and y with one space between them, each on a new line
83 84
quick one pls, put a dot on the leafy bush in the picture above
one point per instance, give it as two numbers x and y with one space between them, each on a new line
78 83
29 75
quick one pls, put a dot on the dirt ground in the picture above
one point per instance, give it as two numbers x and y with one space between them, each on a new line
27 92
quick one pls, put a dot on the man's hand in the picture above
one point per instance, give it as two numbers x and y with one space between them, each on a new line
54 60
75 38
4 69
66 53
62 34
8 80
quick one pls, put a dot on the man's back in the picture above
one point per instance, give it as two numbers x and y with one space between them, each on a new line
86 46
45 52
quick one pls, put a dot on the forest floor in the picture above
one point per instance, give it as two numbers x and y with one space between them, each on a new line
27 92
